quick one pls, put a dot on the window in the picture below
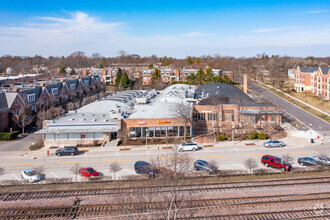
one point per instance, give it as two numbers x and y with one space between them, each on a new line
31 97
151 131
249 119
200 116
229 115
72 86
212 116
55 91
86 83
163 131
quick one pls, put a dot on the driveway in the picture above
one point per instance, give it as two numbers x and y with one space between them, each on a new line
20 144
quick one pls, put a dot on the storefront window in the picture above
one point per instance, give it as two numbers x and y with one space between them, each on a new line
170 131
163 131
144 131
175 131
188 131
151 131
157 131
138 132
132 132
181 131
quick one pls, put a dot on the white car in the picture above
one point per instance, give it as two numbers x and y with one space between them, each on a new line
187 146
30 175
323 160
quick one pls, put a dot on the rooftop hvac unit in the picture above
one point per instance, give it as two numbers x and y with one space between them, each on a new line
115 115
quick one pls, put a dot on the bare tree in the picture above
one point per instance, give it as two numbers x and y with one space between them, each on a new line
213 165
184 112
75 170
25 117
250 164
114 168
2 172
39 170
286 158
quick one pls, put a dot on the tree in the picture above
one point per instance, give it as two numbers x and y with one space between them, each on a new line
118 77
25 117
155 75
286 158
198 60
124 82
191 79
62 70
100 66
184 112
250 164
2 171
209 77
166 61
39 170
151 66
218 79
75 170
73 72
200 77
114 168
190 60
104 62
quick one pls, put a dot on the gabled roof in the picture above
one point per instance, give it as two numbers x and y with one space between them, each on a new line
58 85
324 70
308 69
3 102
11 96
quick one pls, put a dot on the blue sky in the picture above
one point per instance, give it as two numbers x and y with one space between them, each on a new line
173 28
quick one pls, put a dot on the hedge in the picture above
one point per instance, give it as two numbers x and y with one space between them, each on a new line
221 137
256 135
8 136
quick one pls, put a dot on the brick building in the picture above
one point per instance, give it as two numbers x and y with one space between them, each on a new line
4 113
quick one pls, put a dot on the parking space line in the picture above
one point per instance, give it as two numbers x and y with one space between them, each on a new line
54 174
17 178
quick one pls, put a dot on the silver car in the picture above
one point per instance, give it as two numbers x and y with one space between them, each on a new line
274 143
325 161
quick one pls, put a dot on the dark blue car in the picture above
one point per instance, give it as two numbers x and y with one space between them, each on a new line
308 161
143 167
203 165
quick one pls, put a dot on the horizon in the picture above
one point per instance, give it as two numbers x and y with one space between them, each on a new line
235 29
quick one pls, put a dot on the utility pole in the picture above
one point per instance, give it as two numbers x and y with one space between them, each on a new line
232 135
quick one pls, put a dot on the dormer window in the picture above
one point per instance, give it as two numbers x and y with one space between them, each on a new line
72 86
31 97
55 91
86 83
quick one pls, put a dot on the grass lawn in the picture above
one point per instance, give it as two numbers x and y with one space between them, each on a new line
312 100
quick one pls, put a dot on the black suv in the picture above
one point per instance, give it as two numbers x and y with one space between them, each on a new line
143 167
67 151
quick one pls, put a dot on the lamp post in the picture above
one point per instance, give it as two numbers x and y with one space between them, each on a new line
58 139
147 139
232 135
310 132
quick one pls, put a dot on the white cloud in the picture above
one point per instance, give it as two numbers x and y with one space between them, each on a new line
195 34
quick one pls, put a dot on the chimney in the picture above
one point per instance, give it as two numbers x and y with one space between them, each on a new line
16 89
245 84
84 72
77 76
62 80
42 84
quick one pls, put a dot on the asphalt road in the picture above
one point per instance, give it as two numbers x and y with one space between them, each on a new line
227 157
318 125
21 144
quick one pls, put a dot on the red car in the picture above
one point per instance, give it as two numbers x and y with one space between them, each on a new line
88 172
276 162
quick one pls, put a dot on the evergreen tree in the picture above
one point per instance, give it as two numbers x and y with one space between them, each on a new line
209 77
155 75
218 79
191 79
73 72
151 66
100 66
104 62
62 70
200 77
124 81
227 80
198 60
166 61
190 60
118 77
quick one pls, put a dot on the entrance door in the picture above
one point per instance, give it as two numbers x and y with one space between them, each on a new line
113 135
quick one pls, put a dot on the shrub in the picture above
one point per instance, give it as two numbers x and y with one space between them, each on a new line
253 136
262 136
8 136
221 137
37 146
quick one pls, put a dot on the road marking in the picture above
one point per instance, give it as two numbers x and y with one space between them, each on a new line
54 174
17 178
123 160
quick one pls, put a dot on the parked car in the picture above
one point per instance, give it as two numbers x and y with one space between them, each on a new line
276 162
325 161
67 151
30 175
88 172
203 165
308 161
274 143
143 167
187 146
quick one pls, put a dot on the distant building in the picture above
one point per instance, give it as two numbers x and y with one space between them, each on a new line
291 73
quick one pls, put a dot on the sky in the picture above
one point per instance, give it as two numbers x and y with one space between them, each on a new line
173 28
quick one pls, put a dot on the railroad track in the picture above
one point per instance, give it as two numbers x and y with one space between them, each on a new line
12 196
157 208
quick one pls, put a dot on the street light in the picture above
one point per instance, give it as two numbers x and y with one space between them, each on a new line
310 132
58 139
147 139
232 135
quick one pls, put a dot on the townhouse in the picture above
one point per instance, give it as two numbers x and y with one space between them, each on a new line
313 79
4 113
